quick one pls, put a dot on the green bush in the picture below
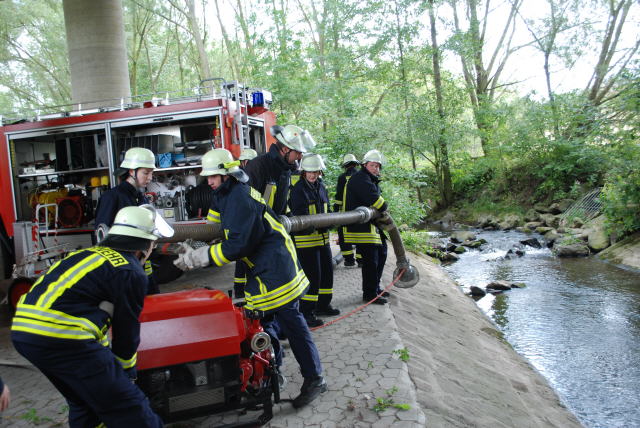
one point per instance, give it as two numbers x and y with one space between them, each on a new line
621 193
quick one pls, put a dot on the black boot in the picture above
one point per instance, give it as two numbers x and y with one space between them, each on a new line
328 310
311 389
312 321
379 301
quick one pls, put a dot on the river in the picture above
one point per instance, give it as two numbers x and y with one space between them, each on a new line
577 322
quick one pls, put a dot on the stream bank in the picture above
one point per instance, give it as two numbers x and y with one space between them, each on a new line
465 372
577 320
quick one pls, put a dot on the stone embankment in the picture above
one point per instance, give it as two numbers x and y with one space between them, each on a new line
567 236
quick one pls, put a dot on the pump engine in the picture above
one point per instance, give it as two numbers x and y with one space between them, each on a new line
200 354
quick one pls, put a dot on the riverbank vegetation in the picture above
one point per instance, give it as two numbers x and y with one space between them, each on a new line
438 86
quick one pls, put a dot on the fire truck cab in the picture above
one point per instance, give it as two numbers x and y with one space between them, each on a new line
56 164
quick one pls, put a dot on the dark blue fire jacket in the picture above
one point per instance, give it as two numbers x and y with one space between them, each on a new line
111 201
80 297
270 175
363 190
253 235
307 198
338 203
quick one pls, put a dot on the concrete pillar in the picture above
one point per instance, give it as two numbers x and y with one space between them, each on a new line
97 51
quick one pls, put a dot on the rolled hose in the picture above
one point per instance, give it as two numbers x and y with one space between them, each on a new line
210 231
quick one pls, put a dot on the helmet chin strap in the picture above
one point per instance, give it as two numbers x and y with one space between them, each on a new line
136 183
144 255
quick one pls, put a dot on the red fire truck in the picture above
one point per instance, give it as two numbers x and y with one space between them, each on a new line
199 353
56 164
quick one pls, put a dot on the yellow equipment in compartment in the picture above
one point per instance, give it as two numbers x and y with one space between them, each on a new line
46 197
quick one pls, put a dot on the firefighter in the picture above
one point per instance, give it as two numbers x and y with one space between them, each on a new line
246 155
240 274
275 280
270 174
363 189
309 196
61 325
135 172
349 163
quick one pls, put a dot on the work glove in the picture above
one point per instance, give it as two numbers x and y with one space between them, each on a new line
385 222
192 258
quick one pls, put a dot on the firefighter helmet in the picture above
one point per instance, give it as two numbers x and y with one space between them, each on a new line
140 222
312 162
247 154
138 157
220 162
293 137
349 158
373 156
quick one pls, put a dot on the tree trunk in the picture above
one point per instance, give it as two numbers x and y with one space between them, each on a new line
444 171
405 86
205 69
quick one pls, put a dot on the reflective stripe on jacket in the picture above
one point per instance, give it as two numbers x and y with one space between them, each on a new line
340 193
65 302
363 189
252 234
307 198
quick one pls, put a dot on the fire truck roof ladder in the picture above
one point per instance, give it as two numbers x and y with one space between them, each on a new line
240 95
198 93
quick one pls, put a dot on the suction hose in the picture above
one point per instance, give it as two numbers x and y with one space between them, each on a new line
210 231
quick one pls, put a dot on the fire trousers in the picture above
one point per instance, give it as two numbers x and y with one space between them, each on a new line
94 384
318 266
373 259
290 321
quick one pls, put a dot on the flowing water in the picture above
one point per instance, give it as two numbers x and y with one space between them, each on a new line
577 321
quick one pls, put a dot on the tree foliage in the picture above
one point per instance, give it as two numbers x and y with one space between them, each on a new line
372 74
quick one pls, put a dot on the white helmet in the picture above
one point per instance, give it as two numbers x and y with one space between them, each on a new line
138 157
140 222
373 156
349 158
312 162
247 154
220 162
293 137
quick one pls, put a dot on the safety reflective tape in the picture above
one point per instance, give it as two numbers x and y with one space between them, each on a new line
148 268
280 296
362 238
213 216
310 297
127 364
378 203
56 318
325 291
216 254
238 280
277 226
69 278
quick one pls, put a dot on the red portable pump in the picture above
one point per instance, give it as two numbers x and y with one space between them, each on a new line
200 354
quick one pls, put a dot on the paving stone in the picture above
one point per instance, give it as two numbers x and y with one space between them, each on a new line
384 422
